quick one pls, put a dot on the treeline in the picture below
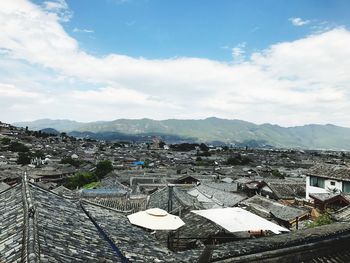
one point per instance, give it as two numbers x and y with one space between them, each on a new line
83 178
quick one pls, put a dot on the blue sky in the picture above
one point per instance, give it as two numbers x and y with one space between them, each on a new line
206 29
282 62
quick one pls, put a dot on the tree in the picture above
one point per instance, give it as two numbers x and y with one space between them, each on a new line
23 158
5 141
162 144
103 168
18 147
203 147
277 173
80 179
71 161
323 219
39 154
238 160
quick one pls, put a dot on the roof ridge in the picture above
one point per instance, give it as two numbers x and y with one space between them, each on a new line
105 235
30 249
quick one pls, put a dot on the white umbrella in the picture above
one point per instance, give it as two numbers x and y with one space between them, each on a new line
156 219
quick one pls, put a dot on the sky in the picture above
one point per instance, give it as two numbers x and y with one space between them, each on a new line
263 61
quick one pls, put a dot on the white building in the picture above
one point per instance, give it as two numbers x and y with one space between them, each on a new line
327 178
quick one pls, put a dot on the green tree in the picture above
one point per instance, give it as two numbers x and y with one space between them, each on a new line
238 160
80 179
324 219
103 168
18 147
39 154
277 174
5 141
23 158
68 160
203 147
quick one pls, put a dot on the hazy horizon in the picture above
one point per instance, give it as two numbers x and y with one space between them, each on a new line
92 121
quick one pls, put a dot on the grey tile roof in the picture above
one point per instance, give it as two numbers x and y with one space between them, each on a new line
338 172
342 214
4 186
11 225
123 203
280 211
284 189
41 226
181 199
323 196
226 187
225 198
136 244
302 241
66 234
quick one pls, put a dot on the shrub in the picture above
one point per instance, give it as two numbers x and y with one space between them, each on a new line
103 168
80 179
323 219
18 147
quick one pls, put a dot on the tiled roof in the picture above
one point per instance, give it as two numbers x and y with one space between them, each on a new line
342 214
135 244
65 233
224 198
280 211
308 244
160 199
37 225
4 186
11 225
338 172
284 189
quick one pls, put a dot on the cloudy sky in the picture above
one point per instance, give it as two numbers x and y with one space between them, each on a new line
282 62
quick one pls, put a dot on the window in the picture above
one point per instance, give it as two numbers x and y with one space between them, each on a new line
346 187
332 183
317 182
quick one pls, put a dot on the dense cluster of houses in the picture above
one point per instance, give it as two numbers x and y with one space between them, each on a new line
259 211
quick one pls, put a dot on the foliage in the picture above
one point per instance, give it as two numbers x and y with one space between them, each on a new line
225 148
18 147
202 162
203 147
39 154
92 185
323 219
68 160
5 141
162 144
103 168
277 173
24 158
80 179
184 147
205 154
238 160
333 190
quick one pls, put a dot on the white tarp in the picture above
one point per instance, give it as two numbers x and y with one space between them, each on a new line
156 219
238 220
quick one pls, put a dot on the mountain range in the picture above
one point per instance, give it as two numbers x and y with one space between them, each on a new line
210 130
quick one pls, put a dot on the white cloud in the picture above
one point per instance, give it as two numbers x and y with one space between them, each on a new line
289 83
78 30
297 21
59 7
238 52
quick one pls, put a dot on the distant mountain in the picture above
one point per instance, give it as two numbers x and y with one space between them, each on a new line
211 130
50 131
59 125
